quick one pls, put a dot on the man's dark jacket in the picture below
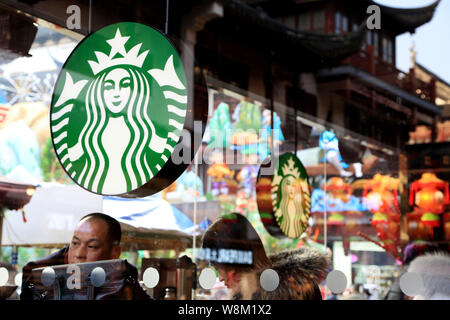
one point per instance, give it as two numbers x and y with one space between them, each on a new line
60 258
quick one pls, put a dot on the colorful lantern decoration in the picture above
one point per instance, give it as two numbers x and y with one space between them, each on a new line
429 193
430 219
223 184
381 198
339 189
339 192
336 219
380 194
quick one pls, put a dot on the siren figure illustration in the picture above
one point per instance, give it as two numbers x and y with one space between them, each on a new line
291 199
120 145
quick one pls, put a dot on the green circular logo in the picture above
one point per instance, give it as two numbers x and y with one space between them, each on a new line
118 108
284 198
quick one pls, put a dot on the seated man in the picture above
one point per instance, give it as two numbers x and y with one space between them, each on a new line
96 237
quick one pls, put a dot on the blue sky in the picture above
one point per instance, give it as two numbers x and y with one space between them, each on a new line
432 40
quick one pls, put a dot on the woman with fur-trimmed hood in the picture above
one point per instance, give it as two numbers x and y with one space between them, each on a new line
300 271
434 269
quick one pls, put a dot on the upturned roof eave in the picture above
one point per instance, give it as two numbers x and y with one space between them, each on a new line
407 19
327 46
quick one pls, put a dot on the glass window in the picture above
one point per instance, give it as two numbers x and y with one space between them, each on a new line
344 23
365 186
337 22
303 21
319 21
369 37
390 51
290 22
376 43
385 49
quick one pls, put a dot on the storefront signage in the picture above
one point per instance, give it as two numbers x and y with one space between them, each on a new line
227 256
284 199
118 108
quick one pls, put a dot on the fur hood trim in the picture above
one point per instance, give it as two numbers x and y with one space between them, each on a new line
435 271
306 259
300 271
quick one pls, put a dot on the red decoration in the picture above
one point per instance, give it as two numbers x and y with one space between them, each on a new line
429 194
380 196
339 189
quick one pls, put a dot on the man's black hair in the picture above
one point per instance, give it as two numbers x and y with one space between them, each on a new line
114 229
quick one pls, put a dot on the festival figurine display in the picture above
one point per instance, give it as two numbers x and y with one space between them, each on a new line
249 117
247 177
428 196
245 136
219 126
429 193
339 192
381 198
223 186
266 134
187 187
329 143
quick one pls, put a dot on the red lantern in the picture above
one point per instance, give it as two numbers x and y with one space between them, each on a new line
429 193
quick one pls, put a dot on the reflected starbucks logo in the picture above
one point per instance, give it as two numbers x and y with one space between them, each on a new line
291 198
118 108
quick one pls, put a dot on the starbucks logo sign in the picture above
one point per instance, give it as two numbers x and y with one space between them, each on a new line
284 198
118 108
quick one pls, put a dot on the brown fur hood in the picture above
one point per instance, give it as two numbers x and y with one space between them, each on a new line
300 271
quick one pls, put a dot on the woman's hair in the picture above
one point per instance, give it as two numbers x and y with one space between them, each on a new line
234 231
285 222
413 250
134 163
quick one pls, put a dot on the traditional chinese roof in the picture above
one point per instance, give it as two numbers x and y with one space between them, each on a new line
315 45
399 20
407 20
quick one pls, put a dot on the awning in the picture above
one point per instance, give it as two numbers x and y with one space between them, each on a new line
55 209
13 194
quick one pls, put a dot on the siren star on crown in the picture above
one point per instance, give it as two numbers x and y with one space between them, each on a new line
289 168
117 44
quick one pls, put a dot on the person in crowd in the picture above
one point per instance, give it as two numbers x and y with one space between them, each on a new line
434 269
96 237
357 293
299 271
410 252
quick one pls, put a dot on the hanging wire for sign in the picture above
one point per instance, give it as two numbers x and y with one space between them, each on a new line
167 17
90 16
